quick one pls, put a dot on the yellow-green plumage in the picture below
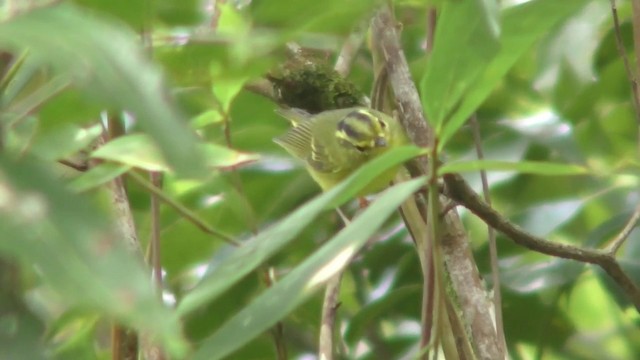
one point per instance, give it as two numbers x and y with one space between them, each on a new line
333 144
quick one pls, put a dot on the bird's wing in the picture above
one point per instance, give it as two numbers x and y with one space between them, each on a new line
297 140
294 115
321 160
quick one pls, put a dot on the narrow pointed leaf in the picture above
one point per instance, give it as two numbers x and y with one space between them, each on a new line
284 296
247 258
522 26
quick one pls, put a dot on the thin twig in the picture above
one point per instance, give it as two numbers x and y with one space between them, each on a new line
460 191
185 212
78 167
156 266
625 59
633 79
493 249
412 117
330 306
349 51
626 231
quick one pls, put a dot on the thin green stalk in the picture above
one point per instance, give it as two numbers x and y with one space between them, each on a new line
181 209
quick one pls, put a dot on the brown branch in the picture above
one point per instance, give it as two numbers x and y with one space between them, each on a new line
82 167
463 272
329 307
406 93
626 231
461 192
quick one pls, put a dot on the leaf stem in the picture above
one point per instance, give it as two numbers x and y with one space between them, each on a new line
185 212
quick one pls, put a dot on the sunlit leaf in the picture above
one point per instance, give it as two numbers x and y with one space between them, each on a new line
136 150
139 150
207 118
466 40
522 26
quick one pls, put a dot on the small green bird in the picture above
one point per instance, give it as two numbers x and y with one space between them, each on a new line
334 143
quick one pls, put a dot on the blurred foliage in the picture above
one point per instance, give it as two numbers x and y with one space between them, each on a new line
544 77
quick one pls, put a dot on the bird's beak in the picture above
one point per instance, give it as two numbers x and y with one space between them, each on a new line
380 142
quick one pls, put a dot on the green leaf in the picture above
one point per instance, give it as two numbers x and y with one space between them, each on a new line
220 156
136 150
325 16
107 63
64 141
466 40
306 279
247 258
226 86
522 26
73 248
97 176
528 167
207 118
139 150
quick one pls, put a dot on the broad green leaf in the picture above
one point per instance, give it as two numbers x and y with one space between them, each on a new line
226 86
107 63
466 40
207 118
528 167
65 140
136 150
72 246
522 26
248 257
97 176
325 16
220 156
287 294
139 150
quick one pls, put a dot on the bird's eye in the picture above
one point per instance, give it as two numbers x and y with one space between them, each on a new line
359 148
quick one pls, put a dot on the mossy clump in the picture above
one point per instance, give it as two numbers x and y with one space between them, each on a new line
313 85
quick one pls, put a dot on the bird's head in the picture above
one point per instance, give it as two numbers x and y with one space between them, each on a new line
364 131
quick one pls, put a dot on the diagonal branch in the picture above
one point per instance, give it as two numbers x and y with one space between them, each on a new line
461 192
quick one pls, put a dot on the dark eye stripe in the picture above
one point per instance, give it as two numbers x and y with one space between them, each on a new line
361 116
349 131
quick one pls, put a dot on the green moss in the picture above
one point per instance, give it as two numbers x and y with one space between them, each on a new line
314 86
